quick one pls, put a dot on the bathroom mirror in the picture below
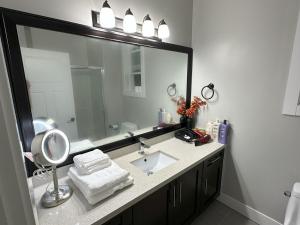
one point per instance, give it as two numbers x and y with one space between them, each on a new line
99 91
100 88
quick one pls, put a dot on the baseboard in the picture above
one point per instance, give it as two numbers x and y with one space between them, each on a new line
247 211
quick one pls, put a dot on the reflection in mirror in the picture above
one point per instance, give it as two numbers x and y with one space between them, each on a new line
57 143
96 90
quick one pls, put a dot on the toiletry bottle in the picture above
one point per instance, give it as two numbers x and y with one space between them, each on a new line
209 128
215 129
164 116
223 132
161 116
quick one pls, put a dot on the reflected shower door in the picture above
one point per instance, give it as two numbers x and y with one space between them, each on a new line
89 105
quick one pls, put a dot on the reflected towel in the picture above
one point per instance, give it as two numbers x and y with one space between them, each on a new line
78 146
99 181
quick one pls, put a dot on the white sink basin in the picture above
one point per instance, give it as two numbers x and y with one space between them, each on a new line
154 162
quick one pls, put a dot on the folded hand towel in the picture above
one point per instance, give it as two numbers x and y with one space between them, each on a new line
93 168
93 199
101 180
90 158
78 146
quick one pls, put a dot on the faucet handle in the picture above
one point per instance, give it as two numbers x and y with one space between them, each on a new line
142 141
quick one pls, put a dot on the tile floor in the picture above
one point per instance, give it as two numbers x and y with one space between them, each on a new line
219 214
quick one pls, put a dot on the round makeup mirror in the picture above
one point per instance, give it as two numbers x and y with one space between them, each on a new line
50 149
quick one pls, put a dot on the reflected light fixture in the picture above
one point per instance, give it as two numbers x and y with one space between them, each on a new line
107 16
148 27
129 22
163 30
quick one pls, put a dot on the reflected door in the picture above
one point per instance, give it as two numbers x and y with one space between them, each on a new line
48 75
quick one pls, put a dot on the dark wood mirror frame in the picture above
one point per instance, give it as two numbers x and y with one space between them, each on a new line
9 36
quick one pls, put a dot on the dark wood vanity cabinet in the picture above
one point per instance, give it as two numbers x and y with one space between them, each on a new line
125 218
179 202
211 180
153 209
182 201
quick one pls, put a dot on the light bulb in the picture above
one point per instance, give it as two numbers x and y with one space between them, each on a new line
163 30
129 22
107 16
148 27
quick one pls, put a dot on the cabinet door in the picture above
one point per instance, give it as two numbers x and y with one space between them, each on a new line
125 218
152 210
212 174
182 202
114 221
291 104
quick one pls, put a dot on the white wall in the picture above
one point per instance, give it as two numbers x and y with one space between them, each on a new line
15 194
162 68
15 203
244 48
176 12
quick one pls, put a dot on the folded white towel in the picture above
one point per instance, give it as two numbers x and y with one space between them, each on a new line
78 146
90 158
93 168
99 181
93 199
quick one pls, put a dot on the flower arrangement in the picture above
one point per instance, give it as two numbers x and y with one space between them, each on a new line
190 112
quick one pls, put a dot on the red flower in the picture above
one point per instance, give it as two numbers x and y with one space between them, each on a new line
195 105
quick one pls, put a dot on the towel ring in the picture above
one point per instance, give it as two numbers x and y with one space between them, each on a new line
171 90
211 87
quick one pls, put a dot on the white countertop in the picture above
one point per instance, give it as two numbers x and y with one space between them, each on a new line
77 211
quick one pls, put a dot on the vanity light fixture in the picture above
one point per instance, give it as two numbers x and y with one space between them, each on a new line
129 22
163 30
148 27
107 16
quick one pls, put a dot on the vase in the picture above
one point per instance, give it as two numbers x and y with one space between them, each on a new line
183 120
189 123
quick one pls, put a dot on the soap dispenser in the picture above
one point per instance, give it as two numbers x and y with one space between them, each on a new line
223 132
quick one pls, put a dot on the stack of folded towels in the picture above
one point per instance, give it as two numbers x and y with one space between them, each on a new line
97 176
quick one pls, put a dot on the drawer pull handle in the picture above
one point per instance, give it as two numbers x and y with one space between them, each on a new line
180 187
174 196
205 190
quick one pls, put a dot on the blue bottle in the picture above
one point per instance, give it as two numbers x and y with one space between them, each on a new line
223 132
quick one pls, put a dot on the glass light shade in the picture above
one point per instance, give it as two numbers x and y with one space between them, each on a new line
163 31
129 24
107 18
148 28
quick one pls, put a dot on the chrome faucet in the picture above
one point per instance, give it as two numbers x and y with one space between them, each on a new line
143 145
131 134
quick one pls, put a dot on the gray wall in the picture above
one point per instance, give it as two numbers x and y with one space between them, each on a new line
244 47
2 214
176 12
